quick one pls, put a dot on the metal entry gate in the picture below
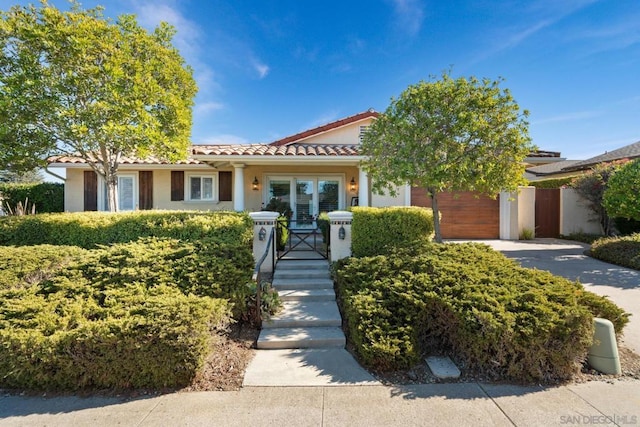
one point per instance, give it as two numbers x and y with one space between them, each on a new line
305 241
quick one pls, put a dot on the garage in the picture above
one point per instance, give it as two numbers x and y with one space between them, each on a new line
464 215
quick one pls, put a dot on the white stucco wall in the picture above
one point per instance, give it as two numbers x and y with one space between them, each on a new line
349 134
74 191
517 212
575 217
384 200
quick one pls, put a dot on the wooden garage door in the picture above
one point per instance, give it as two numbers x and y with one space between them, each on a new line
463 216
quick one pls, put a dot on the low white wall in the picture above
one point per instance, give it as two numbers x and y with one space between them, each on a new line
575 216
517 212
526 209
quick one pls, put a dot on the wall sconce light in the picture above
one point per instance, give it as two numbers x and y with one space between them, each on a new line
255 183
262 234
352 185
341 233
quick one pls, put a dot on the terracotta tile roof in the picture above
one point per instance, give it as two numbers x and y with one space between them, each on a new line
273 150
327 127
70 160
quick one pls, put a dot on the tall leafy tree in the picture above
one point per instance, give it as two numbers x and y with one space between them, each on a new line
592 186
77 83
461 134
621 197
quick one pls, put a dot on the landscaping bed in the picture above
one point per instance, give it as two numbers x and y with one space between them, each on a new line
135 313
623 250
497 320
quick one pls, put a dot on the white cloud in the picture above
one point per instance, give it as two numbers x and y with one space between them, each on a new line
408 15
261 68
542 13
611 35
203 108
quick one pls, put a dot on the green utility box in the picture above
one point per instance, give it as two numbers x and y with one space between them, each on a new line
603 354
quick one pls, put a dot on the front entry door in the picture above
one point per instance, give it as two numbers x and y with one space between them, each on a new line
304 204
307 196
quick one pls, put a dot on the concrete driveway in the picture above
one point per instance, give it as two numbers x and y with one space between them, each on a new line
567 259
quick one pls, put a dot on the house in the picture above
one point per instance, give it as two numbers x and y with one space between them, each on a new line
569 168
315 171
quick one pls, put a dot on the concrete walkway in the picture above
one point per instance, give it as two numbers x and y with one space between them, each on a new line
567 259
455 404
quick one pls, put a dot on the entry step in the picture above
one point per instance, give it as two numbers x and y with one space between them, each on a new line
307 295
283 338
305 314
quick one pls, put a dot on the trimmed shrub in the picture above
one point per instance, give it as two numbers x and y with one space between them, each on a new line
47 196
92 229
498 319
624 251
23 266
203 268
71 337
282 232
377 231
324 224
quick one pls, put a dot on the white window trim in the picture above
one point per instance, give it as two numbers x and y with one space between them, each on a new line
214 189
102 188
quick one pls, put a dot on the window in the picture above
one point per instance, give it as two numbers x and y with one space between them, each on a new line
127 193
201 187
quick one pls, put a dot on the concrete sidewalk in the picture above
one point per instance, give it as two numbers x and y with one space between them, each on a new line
567 259
454 404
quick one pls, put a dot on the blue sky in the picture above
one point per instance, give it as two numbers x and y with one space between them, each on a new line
269 69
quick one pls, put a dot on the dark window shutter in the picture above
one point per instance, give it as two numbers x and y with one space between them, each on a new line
177 186
145 193
225 186
90 191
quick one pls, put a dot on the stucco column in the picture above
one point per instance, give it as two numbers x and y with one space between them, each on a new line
407 195
363 187
340 248
238 187
267 221
517 212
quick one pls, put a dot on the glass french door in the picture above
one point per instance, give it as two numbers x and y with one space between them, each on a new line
307 196
304 209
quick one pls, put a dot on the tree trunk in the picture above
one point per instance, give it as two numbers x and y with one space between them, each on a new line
436 215
111 179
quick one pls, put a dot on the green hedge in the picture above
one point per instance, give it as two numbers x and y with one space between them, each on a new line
47 196
623 250
92 229
73 336
128 312
377 231
204 268
24 266
496 318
